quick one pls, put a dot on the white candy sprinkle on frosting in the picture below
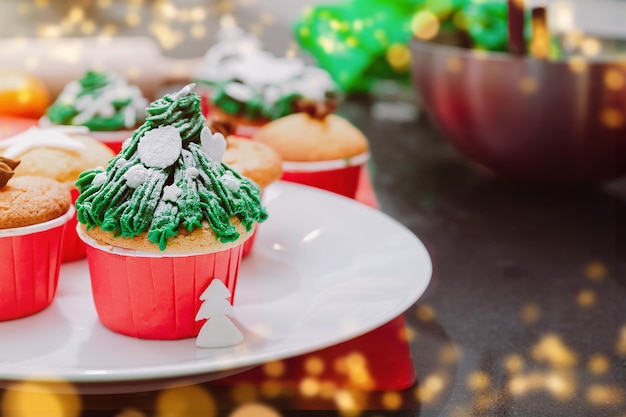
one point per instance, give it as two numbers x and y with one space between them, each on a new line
136 176
99 179
120 163
185 91
171 193
230 181
192 173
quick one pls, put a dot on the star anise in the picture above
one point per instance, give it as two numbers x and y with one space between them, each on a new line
7 169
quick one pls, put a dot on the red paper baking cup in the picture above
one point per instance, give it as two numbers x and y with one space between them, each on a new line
150 295
30 258
340 176
248 244
73 246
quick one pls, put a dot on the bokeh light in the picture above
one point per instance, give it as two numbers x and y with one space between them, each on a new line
530 314
586 298
478 381
314 365
552 350
528 85
425 25
274 369
41 399
244 393
514 363
595 270
598 364
255 410
187 401
612 118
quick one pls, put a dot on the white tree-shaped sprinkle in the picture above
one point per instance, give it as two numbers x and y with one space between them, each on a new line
219 330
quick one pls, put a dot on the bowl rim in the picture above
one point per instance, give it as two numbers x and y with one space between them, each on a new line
481 54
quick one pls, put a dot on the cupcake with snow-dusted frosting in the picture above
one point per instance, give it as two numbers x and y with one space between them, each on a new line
33 214
318 148
104 103
163 220
250 87
60 153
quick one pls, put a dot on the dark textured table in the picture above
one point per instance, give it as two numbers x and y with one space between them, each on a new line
528 284
524 316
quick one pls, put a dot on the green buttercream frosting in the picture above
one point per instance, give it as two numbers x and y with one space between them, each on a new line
100 101
118 201
256 107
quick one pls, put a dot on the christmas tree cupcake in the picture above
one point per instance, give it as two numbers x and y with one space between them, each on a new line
251 87
318 148
163 220
60 153
102 102
33 214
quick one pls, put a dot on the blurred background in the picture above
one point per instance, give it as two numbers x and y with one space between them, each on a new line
186 28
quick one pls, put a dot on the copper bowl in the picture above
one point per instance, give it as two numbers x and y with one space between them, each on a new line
524 118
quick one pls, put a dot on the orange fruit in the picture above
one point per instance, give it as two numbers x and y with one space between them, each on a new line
22 95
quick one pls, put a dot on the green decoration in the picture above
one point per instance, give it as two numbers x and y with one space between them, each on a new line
99 101
131 196
353 40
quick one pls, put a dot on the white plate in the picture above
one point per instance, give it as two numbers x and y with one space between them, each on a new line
325 269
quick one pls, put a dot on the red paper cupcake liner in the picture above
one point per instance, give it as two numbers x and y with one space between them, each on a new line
152 295
248 245
73 247
339 176
30 258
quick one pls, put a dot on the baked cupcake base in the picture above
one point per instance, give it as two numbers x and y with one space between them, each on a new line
31 259
154 295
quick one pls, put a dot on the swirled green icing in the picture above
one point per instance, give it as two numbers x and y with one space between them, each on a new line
100 101
255 108
114 206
